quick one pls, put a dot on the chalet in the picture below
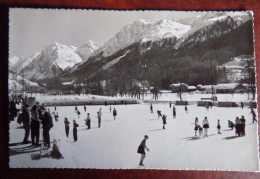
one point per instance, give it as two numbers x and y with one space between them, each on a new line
207 88
231 88
177 87
192 88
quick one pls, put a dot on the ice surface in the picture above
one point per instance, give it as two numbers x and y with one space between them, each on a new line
114 145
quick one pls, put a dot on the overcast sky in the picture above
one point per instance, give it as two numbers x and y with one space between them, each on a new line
30 30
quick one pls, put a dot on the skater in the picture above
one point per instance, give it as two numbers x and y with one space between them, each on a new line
159 114
56 116
114 113
231 124
196 120
174 112
243 125
253 115
200 131
35 126
75 135
78 113
151 108
99 114
85 108
205 124
196 128
141 150
186 109
164 121
55 108
207 107
76 108
88 121
110 109
24 118
237 126
242 105
67 126
46 126
219 127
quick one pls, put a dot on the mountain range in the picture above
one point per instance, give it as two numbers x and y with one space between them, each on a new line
158 51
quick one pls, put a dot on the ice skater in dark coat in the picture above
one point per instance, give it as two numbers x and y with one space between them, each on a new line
75 131
67 126
164 121
219 127
253 115
141 150
46 126
174 111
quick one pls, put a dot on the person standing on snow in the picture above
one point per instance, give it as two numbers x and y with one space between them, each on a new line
164 121
141 150
46 126
88 121
243 125
24 118
35 126
186 109
218 127
253 115
159 114
75 131
99 114
196 128
67 126
196 120
205 124
85 108
238 126
174 112
242 105
151 108
114 113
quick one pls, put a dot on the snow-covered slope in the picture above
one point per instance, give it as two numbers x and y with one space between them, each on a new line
143 30
16 82
16 64
87 49
52 60
207 19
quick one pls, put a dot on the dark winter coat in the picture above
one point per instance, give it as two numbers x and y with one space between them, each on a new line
114 112
141 148
164 119
24 118
47 121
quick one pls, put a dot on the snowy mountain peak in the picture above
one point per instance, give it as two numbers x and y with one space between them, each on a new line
62 56
143 30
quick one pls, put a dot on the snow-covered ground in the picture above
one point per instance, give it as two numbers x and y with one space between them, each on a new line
115 144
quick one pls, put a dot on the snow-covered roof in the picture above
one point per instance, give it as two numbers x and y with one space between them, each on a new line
178 84
192 87
227 86
208 86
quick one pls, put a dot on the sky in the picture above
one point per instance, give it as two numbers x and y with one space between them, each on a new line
30 30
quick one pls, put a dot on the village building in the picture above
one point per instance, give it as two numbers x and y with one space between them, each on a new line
179 87
231 88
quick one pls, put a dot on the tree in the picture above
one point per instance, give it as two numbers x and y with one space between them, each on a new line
250 76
